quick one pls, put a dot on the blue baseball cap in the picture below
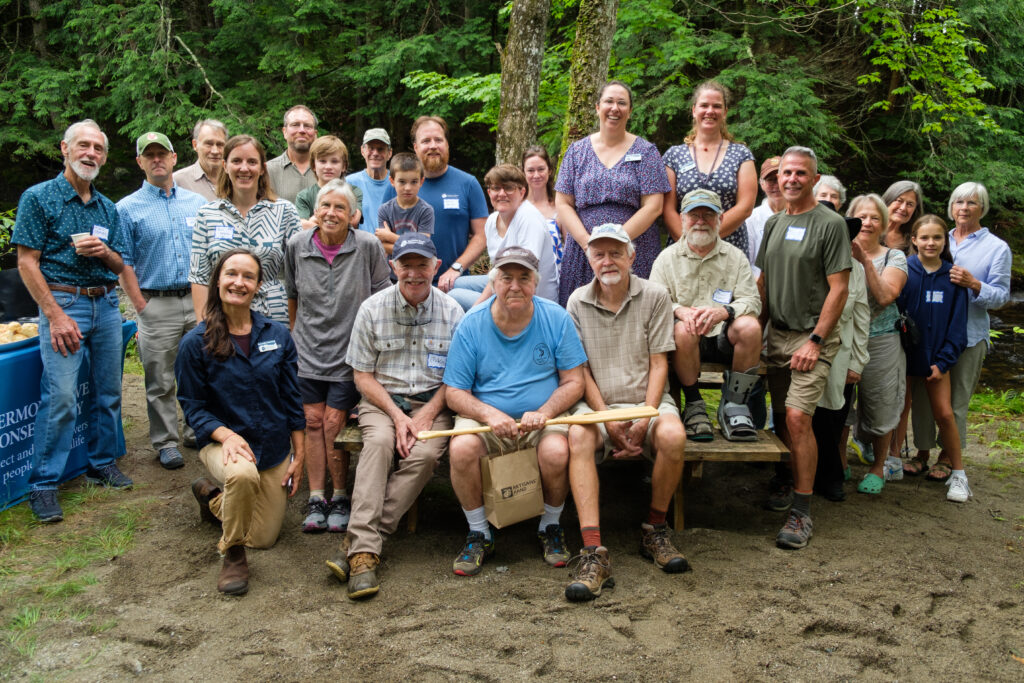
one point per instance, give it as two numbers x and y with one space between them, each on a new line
414 243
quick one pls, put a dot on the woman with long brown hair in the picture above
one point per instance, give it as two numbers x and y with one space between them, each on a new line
238 387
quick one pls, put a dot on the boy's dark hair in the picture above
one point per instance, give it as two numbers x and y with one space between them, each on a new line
404 162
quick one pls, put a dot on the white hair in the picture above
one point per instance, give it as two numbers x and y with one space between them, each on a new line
833 182
212 123
74 128
967 191
630 249
338 186
492 275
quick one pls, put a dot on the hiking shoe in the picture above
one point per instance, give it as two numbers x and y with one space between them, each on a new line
171 458
339 563
338 513
45 506
205 490
234 573
189 441
656 544
362 578
316 516
959 491
590 571
109 476
780 497
552 542
471 558
796 532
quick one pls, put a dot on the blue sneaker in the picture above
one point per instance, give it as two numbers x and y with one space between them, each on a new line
338 515
45 506
109 476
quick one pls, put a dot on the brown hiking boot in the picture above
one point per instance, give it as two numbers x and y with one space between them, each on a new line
590 572
362 578
234 575
339 563
205 490
656 544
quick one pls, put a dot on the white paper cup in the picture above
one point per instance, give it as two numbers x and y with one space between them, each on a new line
78 236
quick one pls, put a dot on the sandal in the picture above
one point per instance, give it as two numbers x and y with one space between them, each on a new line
871 484
914 467
939 472
697 422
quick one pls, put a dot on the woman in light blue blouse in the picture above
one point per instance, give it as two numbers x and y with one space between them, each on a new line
249 215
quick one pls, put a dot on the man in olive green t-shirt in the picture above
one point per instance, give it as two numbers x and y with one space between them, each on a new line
805 271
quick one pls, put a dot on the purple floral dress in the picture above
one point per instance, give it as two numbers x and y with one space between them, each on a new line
609 195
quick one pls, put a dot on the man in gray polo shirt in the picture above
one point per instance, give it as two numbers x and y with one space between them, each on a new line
292 172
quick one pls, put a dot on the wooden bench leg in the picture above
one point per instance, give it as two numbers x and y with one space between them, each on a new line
412 517
678 505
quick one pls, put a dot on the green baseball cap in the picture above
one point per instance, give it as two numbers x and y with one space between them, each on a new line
152 138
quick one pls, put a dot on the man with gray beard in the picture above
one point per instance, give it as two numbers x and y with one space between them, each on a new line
717 305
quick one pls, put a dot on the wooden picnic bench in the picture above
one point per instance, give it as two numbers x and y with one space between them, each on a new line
767 448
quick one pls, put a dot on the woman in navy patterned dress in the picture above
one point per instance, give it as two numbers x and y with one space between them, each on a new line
611 176
710 159
246 214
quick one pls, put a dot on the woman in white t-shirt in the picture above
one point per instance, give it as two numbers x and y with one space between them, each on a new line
515 222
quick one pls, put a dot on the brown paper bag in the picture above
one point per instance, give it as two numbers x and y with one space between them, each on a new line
511 484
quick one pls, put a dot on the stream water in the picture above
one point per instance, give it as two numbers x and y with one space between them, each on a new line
1004 365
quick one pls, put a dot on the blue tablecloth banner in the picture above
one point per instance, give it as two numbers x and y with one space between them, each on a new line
20 370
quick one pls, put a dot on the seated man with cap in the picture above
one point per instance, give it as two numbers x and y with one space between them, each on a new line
717 304
625 324
515 357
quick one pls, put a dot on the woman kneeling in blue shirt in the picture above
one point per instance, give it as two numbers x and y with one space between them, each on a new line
238 387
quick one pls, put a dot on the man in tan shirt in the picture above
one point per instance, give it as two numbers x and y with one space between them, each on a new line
208 139
625 324
717 305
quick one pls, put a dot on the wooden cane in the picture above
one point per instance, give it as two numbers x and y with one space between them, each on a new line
614 415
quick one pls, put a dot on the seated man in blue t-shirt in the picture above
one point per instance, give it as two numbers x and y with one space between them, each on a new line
514 357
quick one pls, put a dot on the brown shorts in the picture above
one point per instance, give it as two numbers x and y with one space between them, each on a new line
799 390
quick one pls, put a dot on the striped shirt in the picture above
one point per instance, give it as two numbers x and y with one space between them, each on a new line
159 231
265 231
405 347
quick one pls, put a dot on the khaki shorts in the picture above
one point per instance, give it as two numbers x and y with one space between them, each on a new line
497 445
791 389
666 407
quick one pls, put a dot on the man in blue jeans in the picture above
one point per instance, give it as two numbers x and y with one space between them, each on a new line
69 256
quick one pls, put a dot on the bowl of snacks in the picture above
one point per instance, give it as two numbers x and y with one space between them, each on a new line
15 335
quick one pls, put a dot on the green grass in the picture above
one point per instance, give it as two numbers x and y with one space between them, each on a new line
132 363
44 570
986 403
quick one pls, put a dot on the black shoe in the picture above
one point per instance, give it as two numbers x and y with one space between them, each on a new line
833 492
189 441
171 458
45 506
205 490
781 496
109 476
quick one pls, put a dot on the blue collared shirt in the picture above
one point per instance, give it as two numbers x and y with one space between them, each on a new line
987 258
256 397
49 214
159 231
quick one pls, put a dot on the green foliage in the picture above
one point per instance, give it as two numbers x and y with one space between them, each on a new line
6 230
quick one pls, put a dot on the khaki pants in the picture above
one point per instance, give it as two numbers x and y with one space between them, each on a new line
252 503
793 389
381 494
963 378
162 324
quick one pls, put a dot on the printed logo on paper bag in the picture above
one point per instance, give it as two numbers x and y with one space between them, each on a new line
518 489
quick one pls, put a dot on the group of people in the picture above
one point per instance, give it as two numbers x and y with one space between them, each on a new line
276 298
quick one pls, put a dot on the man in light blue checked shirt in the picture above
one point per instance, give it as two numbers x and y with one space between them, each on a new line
158 220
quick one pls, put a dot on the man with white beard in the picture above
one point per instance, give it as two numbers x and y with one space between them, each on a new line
625 324
717 304
70 243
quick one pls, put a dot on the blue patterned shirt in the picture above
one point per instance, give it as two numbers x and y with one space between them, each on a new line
49 214
159 232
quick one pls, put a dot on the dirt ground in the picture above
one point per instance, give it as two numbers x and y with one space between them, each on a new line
901 586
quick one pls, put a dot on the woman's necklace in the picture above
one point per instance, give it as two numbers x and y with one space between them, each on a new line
711 170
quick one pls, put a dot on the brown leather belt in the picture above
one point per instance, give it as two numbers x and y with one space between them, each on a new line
91 292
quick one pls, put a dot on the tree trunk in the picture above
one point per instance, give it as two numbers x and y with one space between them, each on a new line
38 28
520 78
591 52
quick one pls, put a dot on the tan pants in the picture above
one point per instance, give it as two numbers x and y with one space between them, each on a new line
252 503
381 494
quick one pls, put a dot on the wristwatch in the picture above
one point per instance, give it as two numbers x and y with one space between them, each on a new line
729 312
457 267
816 338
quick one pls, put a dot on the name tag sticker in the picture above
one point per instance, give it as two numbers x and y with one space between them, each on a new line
933 296
632 157
795 234
100 231
451 203
436 361
223 232
265 346
190 221
688 167
722 296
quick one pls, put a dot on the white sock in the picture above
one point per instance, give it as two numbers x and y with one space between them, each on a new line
338 494
961 474
551 516
316 494
477 519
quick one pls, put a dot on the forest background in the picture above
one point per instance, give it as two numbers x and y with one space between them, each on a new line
881 89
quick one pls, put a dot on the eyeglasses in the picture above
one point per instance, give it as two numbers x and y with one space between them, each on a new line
302 125
509 188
